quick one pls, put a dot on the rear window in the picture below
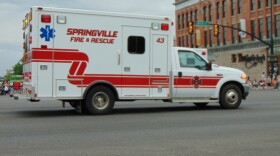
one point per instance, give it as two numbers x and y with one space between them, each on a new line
136 45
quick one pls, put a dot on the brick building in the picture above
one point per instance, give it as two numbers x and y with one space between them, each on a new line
229 48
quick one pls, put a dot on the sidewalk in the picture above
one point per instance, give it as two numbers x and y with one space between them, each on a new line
265 88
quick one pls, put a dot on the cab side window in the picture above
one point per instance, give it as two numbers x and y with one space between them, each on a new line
189 59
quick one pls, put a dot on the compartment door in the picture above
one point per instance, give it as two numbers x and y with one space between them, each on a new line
45 56
159 68
135 62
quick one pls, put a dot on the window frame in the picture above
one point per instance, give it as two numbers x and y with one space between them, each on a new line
252 4
136 52
196 56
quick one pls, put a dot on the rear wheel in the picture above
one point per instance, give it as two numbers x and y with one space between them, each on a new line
201 104
230 97
100 100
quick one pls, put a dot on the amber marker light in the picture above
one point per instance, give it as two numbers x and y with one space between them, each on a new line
244 76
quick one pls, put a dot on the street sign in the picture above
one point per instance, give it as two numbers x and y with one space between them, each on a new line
201 23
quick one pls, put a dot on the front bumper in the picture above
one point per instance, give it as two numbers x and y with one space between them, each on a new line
246 91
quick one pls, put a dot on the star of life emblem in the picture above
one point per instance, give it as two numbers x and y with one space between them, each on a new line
47 33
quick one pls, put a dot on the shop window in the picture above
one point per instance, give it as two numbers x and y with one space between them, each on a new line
239 57
233 58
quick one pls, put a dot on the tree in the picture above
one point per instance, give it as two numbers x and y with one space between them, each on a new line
8 75
17 70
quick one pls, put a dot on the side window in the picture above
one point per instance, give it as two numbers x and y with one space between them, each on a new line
136 45
191 60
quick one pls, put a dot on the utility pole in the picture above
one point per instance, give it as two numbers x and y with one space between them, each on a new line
271 41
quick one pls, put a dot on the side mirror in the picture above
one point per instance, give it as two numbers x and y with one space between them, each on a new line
209 66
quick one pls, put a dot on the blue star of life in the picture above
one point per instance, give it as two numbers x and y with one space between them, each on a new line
47 33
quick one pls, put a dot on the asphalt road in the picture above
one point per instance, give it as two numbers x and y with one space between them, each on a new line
142 128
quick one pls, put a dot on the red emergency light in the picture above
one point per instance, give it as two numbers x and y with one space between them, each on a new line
44 46
46 18
165 27
204 53
29 75
30 40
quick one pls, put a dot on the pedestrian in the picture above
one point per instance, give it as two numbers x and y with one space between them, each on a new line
6 87
263 78
262 84
277 82
2 88
255 84
268 81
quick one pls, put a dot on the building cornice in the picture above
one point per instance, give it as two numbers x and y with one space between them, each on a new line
182 1
185 3
242 46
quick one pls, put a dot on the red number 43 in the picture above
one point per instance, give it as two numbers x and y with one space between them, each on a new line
160 40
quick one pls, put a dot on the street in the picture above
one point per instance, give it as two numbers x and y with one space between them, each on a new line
142 128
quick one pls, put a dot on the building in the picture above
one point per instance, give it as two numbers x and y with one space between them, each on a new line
230 47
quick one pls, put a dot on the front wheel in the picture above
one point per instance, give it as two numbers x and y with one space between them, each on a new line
230 97
100 100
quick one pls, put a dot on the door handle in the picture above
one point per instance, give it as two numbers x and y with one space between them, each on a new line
180 74
119 57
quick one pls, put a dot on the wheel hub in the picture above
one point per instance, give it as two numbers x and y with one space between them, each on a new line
100 100
231 96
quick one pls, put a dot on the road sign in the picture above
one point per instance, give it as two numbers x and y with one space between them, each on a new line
201 23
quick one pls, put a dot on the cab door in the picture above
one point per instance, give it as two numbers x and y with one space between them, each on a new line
192 80
135 62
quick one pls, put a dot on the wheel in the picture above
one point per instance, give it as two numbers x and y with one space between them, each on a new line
201 104
100 100
230 97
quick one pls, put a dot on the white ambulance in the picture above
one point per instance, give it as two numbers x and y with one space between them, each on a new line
92 59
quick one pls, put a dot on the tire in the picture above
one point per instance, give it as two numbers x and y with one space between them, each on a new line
201 104
230 97
100 100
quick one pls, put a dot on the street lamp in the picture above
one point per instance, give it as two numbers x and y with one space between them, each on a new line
271 41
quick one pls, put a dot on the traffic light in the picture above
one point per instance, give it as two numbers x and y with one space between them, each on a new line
216 29
190 27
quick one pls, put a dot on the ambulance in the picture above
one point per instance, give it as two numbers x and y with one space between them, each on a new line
91 59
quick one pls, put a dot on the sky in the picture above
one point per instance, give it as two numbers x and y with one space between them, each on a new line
12 12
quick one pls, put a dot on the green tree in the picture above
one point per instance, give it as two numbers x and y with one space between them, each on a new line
17 69
8 75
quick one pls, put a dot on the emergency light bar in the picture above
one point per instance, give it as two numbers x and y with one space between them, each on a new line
61 19
165 27
46 18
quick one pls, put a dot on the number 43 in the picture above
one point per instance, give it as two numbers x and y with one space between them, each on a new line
160 40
